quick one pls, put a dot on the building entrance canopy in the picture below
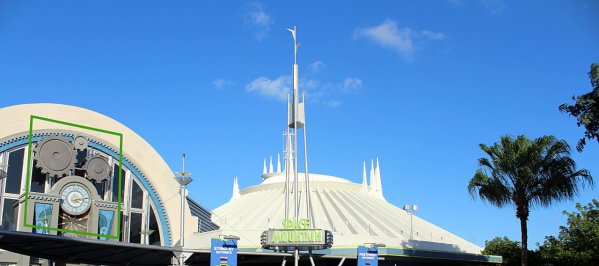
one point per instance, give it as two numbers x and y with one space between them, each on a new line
80 250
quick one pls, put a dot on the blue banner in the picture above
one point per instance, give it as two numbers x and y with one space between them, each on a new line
368 256
223 252
42 216
105 218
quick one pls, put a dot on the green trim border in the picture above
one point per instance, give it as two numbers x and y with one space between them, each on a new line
28 178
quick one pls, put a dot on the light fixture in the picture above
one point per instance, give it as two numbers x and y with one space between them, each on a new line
376 245
229 237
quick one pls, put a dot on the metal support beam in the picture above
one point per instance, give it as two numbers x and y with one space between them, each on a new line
341 262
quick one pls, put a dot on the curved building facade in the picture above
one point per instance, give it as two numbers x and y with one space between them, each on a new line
73 172
355 213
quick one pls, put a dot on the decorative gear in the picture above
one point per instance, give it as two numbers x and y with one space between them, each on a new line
80 143
97 168
55 156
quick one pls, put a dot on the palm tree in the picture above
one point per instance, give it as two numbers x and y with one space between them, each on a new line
527 173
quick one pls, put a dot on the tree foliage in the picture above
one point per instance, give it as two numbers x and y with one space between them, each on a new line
527 173
504 247
586 109
577 242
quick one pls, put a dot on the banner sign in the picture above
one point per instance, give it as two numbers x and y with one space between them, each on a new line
42 217
368 256
296 233
223 252
105 218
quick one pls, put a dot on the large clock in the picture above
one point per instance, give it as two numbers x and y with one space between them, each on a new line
75 198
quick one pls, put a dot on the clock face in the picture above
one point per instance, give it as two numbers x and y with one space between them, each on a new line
75 198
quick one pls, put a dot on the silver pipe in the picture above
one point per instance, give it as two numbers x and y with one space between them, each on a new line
312 261
307 174
296 255
287 163
295 104
341 262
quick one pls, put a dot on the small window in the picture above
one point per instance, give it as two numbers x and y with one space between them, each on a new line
135 228
154 230
14 172
137 195
115 183
38 180
100 187
9 217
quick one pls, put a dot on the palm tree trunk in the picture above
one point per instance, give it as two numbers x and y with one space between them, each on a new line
524 230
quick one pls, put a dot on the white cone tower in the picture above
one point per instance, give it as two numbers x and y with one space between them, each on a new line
264 171
364 178
235 193
377 175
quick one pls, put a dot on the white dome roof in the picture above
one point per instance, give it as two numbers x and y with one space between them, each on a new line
353 212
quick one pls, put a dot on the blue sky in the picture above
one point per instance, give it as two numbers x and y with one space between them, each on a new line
418 84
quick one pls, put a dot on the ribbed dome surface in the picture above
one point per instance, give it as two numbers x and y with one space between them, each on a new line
355 213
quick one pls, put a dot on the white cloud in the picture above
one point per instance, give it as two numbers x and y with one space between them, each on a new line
277 89
493 6
222 83
403 40
316 91
435 36
258 20
333 103
351 84
316 66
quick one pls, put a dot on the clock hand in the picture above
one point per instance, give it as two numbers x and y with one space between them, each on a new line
78 198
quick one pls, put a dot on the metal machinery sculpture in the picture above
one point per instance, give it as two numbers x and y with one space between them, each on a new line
71 205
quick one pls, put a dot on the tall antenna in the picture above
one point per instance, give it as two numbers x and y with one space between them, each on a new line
296 120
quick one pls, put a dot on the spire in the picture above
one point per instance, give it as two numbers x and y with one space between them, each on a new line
377 174
364 178
264 169
270 170
278 162
235 193
372 176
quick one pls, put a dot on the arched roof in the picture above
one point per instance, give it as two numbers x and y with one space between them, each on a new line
140 157
354 213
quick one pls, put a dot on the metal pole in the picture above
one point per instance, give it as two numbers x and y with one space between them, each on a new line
341 262
312 260
296 255
284 261
411 228
287 162
307 174
295 107
182 223
182 188
296 175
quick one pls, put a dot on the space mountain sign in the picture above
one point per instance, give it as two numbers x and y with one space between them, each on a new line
296 234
